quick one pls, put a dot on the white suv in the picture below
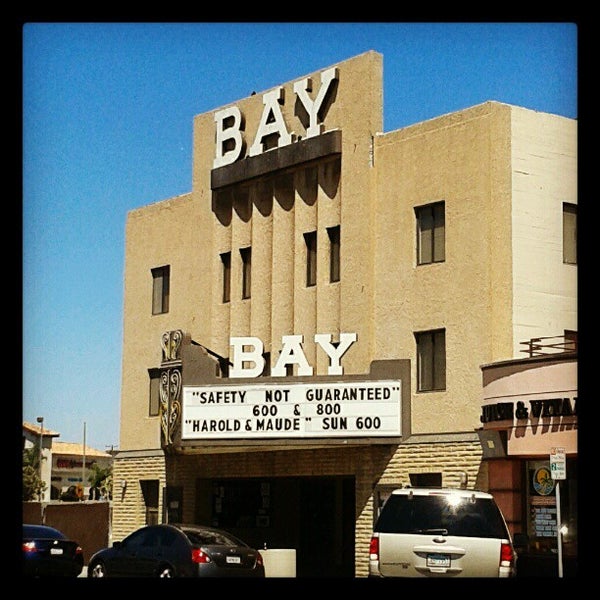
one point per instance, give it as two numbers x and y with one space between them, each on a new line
441 532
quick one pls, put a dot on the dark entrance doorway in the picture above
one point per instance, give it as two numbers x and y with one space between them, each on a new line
313 515
327 518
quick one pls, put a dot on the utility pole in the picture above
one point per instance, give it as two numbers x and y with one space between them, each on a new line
40 420
83 469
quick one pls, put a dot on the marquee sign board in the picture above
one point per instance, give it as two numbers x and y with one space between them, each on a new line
297 410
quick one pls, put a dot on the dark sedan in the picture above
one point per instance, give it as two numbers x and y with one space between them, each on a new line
47 552
176 550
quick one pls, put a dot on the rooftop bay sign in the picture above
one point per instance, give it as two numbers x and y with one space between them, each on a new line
230 122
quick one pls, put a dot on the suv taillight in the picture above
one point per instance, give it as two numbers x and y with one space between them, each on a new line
374 548
507 555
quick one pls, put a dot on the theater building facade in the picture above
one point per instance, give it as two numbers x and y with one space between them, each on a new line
305 329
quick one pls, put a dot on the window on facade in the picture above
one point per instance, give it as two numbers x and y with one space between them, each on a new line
154 392
150 495
160 290
246 254
311 258
226 262
431 360
425 479
431 233
334 253
570 340
569 233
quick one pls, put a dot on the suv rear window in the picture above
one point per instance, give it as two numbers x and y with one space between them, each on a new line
429 514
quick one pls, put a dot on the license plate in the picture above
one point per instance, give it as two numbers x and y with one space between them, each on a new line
438 560
235 560
56 550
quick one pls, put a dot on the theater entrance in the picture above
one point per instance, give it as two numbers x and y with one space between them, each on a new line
313 515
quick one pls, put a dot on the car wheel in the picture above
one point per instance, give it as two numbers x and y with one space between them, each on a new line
166 571
97 570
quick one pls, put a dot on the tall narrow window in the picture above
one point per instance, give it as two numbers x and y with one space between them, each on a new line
569 233
226 262
246 254
334 253
431 233
160 290
150 496
311 258
431 360
154 399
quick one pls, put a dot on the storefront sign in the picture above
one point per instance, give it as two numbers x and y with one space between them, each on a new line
69 463
230 122
306 410
545 408
558 463
543 484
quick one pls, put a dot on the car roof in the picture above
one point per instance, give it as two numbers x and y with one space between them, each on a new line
434 491
35 530
198 527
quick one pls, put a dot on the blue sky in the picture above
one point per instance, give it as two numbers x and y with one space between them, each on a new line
107 127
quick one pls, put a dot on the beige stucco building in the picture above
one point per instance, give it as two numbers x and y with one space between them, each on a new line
414 257
64 464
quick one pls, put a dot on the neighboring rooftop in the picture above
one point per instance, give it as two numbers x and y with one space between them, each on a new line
69 448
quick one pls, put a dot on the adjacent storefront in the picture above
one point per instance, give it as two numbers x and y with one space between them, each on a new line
529 422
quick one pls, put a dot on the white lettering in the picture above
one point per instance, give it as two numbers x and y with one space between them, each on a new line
230 144
250 350
271 122
335 354
292 353
312 108
233 132
241 355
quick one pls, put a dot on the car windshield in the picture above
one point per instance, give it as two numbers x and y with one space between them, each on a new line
435 514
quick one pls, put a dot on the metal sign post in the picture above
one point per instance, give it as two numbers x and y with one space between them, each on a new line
558 471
